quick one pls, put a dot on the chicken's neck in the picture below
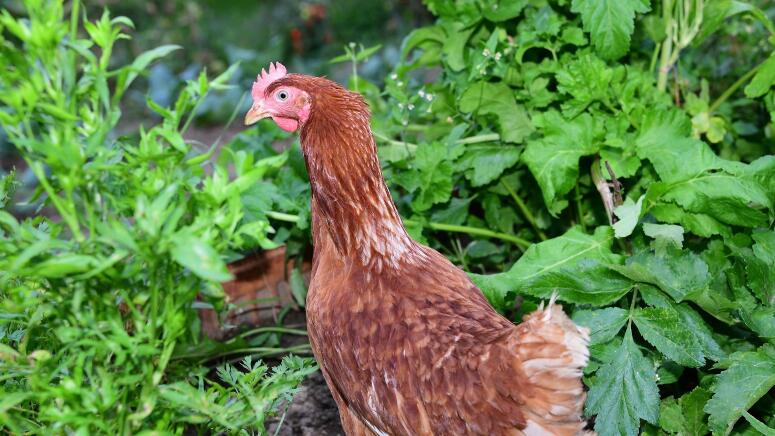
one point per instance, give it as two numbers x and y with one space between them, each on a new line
351 203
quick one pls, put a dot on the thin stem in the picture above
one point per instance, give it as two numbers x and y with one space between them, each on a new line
731 90
487 137
280 216
524 209
260 330
579 208
64 209
478 231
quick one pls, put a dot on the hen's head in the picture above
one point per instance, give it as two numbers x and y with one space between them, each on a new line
287 105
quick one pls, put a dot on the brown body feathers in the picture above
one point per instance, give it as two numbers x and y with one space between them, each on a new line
407 343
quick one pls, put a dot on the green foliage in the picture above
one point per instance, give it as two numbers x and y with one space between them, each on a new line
97 292
605 159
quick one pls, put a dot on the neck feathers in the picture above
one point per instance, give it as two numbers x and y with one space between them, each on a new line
351 202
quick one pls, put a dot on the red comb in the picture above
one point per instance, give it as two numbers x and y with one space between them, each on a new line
276 71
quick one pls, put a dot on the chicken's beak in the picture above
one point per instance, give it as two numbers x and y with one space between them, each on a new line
255 114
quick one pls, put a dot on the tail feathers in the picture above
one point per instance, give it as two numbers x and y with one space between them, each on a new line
553 352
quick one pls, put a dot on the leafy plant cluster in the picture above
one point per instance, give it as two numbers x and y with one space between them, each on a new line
607 151
99 289
639 190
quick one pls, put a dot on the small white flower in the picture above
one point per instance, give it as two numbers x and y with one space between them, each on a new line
410 107
486 52
393 76
405 123
400 83
429 97
400 105
497 55
421 93
450 120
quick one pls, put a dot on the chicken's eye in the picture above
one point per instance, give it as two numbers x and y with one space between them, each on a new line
282 95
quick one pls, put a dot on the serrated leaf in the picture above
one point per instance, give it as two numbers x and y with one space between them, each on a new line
485 163
610 23
554 159
498 99
664 329
431 176
685 415
603 324
624 392
750 376
691 319
678 273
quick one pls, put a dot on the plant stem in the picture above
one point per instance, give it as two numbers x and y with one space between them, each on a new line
487 137
525 211
632 305
731 90
579 209
260 330
478 231
280 216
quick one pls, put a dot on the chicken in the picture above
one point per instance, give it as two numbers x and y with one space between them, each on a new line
407 343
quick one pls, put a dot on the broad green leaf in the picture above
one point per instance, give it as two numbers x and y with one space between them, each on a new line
664 329
761 274
624 392
456 213
685 415
665 140
697 223
484 163
763 79
571 264
454 48
748 378
603 324
610 23
498 99
694 178
502 10
628 214
690 319
199 257
678 273
554 159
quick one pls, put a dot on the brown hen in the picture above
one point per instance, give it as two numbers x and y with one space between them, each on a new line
407 343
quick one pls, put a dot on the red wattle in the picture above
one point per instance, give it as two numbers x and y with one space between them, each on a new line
287 124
